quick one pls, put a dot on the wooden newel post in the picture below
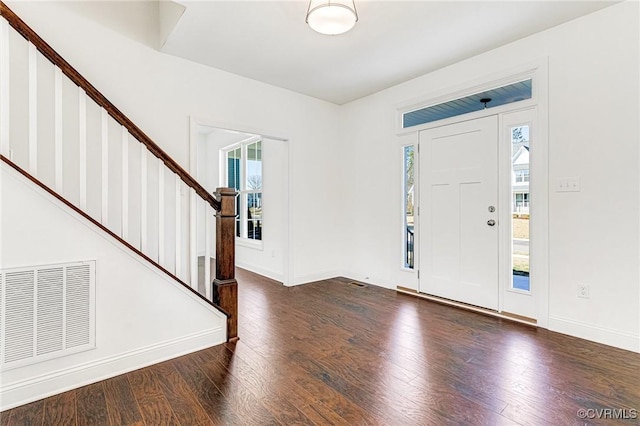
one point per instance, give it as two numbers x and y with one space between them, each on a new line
225 286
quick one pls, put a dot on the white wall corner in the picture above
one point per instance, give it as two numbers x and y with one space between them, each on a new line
274 275
169 14
314 276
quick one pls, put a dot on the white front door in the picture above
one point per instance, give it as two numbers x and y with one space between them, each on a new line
459 212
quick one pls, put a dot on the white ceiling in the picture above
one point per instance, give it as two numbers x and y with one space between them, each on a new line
393 41
269 41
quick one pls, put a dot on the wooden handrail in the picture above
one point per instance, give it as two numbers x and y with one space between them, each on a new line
23 29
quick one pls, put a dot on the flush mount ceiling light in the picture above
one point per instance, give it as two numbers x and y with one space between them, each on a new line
332 17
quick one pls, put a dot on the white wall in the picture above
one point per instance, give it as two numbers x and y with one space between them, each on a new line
142 315
161 92
593 133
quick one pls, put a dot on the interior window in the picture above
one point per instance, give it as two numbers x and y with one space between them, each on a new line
244 174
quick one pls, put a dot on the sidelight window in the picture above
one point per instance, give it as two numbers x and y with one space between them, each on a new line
520 142
408 205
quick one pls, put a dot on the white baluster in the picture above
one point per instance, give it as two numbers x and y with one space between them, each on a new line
208 217
178 270
125 183
4 88
143 198
105 166
160 212
57 142
33 110
82 151
193 252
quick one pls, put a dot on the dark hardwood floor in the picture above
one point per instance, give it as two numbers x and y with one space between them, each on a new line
334 353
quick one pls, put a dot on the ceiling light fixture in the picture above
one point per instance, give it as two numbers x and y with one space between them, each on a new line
331 17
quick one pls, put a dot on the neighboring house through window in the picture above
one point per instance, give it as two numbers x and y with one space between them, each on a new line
244 173
520 174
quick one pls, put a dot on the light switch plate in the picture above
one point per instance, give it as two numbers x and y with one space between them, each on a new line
568 184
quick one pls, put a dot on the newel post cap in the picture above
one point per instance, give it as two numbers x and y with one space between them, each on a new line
227 199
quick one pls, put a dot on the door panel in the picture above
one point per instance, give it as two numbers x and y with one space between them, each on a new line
459 181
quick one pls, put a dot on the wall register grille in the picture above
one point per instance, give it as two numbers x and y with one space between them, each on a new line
46 312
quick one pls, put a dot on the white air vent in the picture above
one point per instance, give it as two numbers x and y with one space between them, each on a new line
46 312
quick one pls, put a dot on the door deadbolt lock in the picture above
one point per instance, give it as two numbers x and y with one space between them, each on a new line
491 222
492 209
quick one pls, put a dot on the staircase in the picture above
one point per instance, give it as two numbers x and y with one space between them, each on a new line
63 136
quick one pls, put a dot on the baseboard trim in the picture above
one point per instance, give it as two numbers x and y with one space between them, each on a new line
35 388
606 336
277 276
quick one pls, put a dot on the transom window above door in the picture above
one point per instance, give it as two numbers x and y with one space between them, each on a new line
510 93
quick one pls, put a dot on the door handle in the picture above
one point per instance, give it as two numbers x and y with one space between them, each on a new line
491 222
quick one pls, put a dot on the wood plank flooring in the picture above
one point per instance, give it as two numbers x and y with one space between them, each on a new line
331 353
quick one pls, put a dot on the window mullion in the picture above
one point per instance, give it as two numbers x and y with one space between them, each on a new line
243 197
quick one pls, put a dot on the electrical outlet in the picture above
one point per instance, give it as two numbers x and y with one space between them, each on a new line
583 291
